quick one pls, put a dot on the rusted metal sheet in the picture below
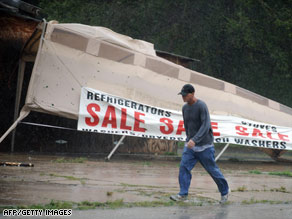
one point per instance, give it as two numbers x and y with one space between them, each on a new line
15 32
15 28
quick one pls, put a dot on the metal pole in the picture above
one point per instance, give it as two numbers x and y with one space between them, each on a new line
115 148
21 69
221 152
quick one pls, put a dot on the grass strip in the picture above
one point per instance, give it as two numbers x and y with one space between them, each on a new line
255 172
283 173
85 205
75 160
253 201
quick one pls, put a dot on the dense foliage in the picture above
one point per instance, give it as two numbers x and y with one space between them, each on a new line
245 42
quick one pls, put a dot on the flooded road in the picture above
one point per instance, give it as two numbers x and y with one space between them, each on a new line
136 181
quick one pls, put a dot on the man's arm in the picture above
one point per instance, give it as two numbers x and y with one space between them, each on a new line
205 126
185 125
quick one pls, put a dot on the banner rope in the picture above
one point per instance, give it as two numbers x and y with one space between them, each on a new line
47 126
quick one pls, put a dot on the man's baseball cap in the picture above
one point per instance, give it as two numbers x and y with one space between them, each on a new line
187 88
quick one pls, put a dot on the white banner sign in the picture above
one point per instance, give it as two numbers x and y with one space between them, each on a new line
104 113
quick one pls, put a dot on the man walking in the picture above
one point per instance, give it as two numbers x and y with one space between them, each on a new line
199 145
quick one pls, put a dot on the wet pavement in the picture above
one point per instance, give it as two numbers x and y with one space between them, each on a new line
133 181
258 211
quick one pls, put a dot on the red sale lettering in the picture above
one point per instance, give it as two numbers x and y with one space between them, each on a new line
257 133
124 120
110 117
168 123
215 126
95 118
269 134
283 137
241 130
138 121
180 127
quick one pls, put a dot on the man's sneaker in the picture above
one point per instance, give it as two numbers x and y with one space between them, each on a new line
178 197
224 198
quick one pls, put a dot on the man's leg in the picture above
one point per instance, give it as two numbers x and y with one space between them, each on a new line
207 159
188 161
